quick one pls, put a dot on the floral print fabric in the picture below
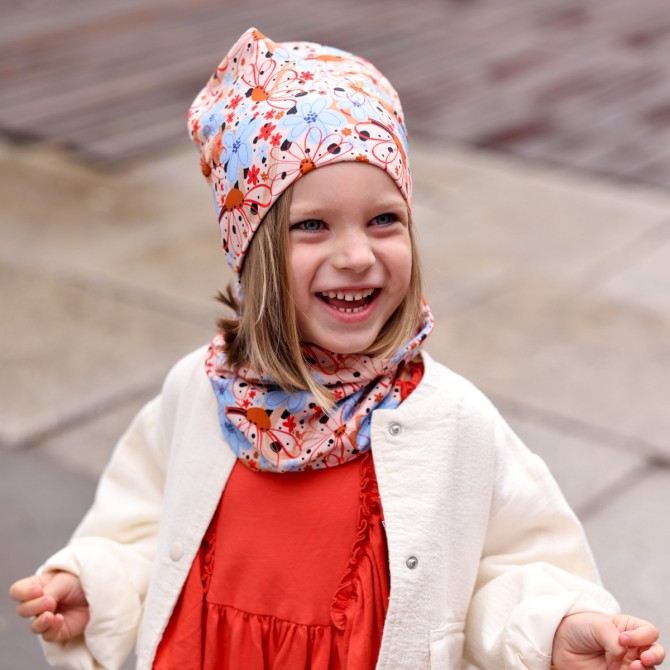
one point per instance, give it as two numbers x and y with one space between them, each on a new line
272 112
272 430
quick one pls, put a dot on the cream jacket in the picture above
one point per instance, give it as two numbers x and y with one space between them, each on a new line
485 555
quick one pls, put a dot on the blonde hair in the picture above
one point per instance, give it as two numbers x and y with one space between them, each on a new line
263 334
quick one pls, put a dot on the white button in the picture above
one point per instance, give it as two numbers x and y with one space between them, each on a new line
412 562
176 551
395 429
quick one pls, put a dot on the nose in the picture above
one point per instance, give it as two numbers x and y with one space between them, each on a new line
353 251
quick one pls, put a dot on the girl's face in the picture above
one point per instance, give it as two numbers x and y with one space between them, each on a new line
350 254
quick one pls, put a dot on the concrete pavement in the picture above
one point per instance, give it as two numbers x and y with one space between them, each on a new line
550 289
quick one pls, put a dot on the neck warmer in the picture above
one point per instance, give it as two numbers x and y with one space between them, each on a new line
272 430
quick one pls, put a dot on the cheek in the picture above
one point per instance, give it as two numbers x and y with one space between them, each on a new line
401 265
301 277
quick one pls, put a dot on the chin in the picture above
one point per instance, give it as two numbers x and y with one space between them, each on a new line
342 346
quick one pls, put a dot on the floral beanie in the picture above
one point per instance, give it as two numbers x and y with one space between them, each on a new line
271 112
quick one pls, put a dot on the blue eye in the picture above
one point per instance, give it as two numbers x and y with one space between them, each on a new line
311 225
384 219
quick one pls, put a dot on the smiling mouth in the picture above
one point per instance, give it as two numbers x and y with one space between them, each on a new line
349 301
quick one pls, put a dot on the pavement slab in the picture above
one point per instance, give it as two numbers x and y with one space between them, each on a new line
42 502
573 353
630 539
532 217
69 349
86 447
603 468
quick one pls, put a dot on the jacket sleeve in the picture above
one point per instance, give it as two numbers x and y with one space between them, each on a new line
113 548
536 565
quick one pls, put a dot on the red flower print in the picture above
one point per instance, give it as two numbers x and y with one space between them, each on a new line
252 175
276 140
289 424
306 76
235 101
230 117
266 131
270 114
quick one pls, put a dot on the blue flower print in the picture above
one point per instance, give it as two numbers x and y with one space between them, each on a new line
295 402
238 149
223 389
312 118
357 105
280 53
228 77
211 123
237 441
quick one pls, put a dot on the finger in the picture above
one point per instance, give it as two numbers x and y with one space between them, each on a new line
30 608
641 636
607 636
638 665
55 632
60 584
42 623
655 655
26 589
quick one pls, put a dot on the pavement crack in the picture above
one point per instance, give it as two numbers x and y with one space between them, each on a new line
633 478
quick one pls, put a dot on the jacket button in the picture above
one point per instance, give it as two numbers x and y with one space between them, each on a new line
395 429
412 562
176 551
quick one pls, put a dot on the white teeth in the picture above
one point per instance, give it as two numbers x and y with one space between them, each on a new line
349 297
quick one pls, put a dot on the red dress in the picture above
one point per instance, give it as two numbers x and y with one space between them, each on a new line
292 575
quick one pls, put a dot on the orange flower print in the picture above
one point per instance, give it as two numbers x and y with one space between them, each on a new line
239 214
271 84
302 156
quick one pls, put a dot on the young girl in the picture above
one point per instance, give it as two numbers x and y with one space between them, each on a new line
313 491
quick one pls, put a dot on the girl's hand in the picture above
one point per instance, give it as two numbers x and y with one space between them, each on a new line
56 602
591 641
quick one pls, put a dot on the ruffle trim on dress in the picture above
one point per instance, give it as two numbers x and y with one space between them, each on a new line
208 553
370 511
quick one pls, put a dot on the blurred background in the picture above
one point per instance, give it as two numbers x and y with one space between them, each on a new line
540 147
